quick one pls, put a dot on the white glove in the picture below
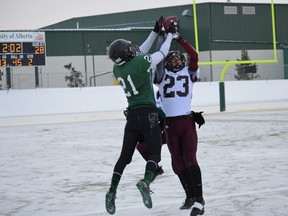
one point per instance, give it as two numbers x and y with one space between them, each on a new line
177 36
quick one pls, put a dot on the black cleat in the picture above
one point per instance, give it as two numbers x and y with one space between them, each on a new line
187 204
198 208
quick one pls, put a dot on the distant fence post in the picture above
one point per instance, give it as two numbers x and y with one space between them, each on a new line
36 77
8 78
285 52
222 96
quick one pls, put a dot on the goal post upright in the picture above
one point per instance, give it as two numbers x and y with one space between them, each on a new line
195 26
229 63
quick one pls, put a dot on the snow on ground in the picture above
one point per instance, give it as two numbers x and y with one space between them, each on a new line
61 165
58 148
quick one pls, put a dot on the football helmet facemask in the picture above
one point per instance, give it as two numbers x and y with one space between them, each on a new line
121 51
175 61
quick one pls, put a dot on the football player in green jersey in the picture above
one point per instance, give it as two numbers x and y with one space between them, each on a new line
133 70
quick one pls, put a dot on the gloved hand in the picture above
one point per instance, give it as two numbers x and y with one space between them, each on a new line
177 37
172 28
158 25
193 75
198 118
162 32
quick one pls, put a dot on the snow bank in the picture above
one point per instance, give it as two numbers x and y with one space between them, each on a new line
111 98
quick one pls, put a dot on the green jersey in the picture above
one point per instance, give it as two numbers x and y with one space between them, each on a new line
135 77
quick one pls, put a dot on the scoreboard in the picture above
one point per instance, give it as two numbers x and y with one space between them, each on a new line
22 49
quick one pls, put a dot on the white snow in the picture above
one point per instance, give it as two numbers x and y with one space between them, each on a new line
57 162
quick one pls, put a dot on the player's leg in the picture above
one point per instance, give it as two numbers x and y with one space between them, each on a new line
151 134
188 188
174 134
198 206
190 140
128 148
143 150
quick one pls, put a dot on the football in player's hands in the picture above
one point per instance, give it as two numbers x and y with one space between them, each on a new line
167 22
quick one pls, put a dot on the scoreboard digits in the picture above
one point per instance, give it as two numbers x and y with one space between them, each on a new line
10 48
26 52
22 54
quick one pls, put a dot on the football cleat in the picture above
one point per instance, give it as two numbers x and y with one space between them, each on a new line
144 189
198 208
110 202
188 203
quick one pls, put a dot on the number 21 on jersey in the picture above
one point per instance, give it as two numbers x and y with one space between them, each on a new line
122 82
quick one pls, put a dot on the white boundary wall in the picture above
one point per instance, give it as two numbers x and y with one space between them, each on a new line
111 98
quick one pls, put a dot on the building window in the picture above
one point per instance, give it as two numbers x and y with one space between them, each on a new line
230 10
248 10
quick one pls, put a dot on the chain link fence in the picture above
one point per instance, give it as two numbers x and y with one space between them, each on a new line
29 77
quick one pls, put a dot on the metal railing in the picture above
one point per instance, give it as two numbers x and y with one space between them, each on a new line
97 75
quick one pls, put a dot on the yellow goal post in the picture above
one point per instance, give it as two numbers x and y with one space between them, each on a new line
229 63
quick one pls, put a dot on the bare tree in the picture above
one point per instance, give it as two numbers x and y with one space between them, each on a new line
75 78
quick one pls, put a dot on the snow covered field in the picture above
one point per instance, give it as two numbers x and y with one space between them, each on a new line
60 163
63 167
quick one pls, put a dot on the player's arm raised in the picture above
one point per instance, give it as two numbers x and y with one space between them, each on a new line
162 53
193 57
147 44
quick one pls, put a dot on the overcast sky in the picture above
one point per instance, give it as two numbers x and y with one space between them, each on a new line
33 14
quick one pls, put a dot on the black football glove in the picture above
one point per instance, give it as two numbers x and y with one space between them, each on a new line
198 118
158 25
